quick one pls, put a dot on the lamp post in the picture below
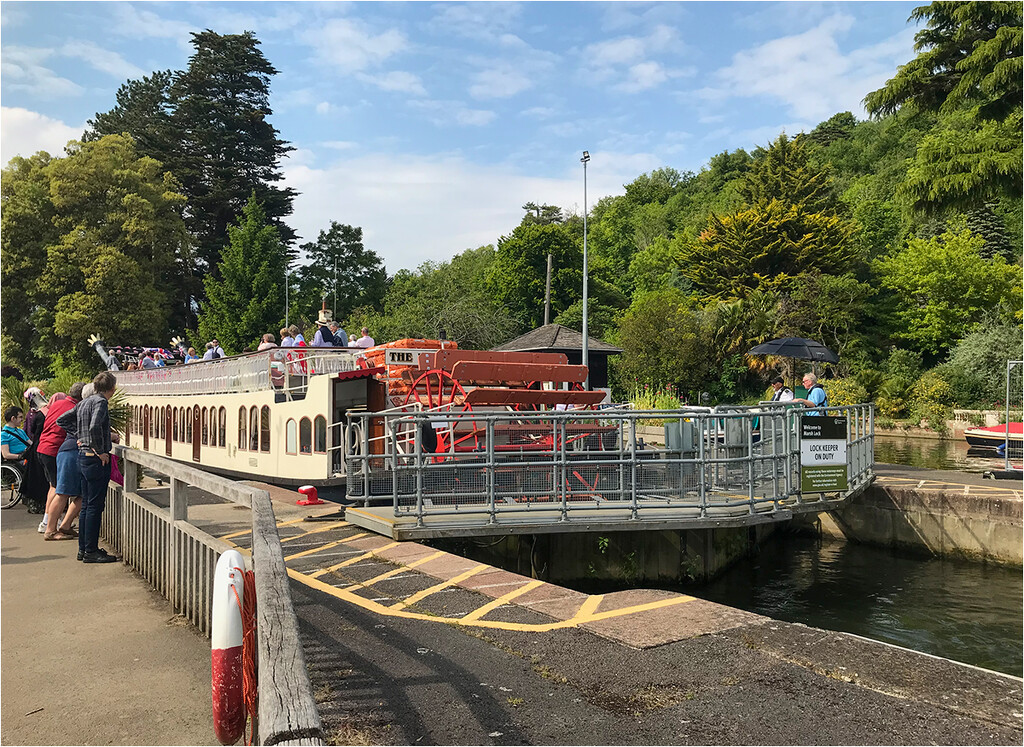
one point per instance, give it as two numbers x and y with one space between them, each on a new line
286 284
586 339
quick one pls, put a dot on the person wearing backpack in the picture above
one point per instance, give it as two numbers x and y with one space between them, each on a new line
816 394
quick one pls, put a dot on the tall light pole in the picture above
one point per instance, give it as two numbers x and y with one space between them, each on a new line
586 338
286 284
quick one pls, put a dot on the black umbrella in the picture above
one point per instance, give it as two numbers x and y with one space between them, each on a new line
796 347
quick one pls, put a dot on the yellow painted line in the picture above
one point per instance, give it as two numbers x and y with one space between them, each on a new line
410 600
249 531
351 561
327 528
495 603
635 608
590 605
396 571
328 546
375 517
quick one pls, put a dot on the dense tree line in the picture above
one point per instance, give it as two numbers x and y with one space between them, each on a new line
895 240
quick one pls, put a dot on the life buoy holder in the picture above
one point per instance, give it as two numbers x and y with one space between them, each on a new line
226 648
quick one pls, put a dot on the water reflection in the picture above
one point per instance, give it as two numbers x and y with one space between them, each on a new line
959 610
934 454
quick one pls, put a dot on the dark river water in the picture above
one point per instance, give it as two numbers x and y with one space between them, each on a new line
960 610
953 454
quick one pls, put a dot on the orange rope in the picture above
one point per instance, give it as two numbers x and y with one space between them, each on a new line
250 682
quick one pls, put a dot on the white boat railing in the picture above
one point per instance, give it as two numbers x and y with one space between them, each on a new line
282 369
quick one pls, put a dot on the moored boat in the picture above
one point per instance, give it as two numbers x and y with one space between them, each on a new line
995 436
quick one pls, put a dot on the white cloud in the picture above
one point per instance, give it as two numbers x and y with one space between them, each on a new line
627 61
135 23
23 133
445 113
22 70
538 112
228 22
499 82
323 107
485 22
475 117
396 80
102 59
349 46
447 203
809 73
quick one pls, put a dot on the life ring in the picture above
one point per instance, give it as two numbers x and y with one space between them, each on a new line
226 648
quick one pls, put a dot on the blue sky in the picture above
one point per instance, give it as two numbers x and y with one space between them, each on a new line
430 124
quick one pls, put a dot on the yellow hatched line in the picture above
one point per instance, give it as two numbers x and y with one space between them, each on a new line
589 606
633 609
395 571
410 600
249 531
327 528
351 561
495 603
328 546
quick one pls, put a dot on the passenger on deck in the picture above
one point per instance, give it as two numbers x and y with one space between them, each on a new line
209 354
781 392
352 341
218 351
191 356
296 334
268 342
365 341
324 338
340 337
148 362
286 338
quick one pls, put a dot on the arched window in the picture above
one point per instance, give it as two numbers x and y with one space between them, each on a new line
305 436
181 423
162 423
188 425
206 428
265 428
174 424
320 434
222 428
290 437
254 428
242 441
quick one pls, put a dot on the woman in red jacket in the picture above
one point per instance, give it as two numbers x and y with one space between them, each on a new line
49 443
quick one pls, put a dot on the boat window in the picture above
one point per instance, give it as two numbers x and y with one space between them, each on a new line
222 428
152 422
242 441
305 436
206 429
320 434
265 428
181 426
290 434
188 425
174 424
161 423
254 429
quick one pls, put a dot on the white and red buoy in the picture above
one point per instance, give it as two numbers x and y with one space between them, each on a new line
226 648
310 499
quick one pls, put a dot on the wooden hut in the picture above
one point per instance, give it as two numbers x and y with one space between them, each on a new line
554 338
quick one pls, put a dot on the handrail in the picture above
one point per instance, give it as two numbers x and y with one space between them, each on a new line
287 710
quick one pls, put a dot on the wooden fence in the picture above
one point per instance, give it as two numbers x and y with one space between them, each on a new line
179 561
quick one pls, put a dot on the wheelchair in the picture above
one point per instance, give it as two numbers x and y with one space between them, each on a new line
11 477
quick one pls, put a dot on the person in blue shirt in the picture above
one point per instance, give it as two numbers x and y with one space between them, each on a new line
816 395
13 440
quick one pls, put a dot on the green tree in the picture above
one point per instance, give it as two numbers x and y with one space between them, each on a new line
785 172
114 243
541 215
517 277
942 286
246 298
143 110
338 253
969 54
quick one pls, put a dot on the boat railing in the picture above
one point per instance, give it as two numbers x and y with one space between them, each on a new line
286 370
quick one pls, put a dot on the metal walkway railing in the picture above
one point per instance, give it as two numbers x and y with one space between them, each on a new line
486 467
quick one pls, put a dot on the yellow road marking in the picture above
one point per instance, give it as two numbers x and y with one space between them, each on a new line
495 603
320 548
396 571
410 600
327 528
590 605
636 608
249 531
351 561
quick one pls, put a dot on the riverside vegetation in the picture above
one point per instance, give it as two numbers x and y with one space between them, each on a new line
896 241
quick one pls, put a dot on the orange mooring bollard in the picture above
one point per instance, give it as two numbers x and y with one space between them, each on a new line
311 499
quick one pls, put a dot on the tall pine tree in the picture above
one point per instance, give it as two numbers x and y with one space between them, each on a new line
246 298
338 253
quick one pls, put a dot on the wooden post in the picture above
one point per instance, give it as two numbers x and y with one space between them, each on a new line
179 500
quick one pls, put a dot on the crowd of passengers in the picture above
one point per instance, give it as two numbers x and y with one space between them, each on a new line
329 334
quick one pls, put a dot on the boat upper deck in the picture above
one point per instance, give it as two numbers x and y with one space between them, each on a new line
288 368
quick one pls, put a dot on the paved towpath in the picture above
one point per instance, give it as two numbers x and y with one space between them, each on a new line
90 654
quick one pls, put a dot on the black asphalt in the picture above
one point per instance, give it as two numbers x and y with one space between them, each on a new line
389 680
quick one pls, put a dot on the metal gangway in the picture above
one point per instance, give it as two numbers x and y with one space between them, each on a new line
443 472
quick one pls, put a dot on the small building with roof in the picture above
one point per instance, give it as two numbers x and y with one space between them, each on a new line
554 338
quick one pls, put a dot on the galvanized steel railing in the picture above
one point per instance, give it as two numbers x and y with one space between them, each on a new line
723 462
